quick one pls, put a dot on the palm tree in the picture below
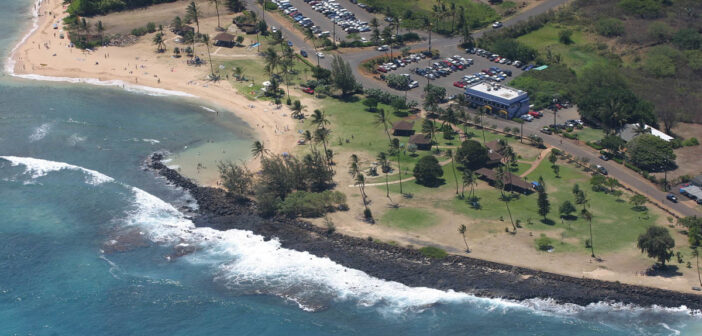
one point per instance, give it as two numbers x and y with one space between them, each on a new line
158 41
449 153
272 59
462 230
471 180
206 41
238 72
395 146
193 13
381 118
297 108
307 136
353 166
322 135
588 217
319 119
384 166
427 26
258 149
696 254
216 3
361 183
500 182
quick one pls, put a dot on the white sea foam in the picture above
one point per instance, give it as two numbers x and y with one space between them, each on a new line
40 132
151 141
75 139
243 259
38 168
208 109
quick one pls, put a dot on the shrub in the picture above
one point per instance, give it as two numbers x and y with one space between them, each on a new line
544 243
691 142
311 204
688 39
433 252
609 27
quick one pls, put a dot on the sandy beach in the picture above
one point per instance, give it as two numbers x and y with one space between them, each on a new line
139 68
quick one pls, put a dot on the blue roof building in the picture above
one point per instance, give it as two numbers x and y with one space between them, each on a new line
504 101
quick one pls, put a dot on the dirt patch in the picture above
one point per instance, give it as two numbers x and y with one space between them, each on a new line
161 14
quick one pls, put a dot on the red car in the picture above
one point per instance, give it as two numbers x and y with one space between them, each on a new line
308 90
536 114
459 84
486 71
559 106
382 69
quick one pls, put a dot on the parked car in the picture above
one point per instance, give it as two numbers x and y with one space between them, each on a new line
308 90
601 170
546 130
303 53
383 48
497 24
536 114
604 157
672 198
526 117
320 54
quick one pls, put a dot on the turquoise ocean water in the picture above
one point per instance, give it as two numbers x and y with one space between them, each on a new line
89 239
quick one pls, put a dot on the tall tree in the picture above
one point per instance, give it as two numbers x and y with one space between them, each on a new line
542 200
353 165
342 76
385 168
469 179
587 215
449 154
500 183
158 41
192 12
216 3
206 40
395 147
361 183
657 243
462 230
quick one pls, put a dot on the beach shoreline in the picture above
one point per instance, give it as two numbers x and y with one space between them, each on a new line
42 55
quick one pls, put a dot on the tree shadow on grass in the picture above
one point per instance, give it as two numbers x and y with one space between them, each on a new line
667 271
548 221
349 98
435 183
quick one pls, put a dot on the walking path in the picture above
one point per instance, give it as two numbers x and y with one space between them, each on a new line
536 163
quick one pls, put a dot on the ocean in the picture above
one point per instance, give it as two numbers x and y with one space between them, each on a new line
91 243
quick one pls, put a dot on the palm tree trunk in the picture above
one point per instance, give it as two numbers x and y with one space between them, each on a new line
387 185
453 168
217 10
510 214
399 170
465 242
698 269
210 59
592 245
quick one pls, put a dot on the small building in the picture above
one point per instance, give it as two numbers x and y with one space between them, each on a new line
494 158
184 30
422 141
697 180
504 101
225 40
511 182
403 128
629 131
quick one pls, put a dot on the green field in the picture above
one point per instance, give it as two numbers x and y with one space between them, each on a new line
477 14
408 218
580 54
589 134
615 224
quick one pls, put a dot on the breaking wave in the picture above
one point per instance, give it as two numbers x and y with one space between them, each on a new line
247 263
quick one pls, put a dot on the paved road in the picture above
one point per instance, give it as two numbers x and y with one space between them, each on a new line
447 46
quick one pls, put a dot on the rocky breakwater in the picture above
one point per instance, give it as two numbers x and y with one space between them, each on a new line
409 266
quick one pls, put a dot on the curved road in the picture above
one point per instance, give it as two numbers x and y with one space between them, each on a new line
448 46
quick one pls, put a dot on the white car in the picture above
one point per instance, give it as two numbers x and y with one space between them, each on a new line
383 48
320 54
526 117
413 84
497 24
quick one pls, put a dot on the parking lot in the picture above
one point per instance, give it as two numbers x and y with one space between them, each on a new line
320 16
478 64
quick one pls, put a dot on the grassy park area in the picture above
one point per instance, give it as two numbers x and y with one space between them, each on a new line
408 218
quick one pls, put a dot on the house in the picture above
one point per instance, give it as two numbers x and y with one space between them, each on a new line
225 40
184 30
403 128
629 131
511 182
494 156
422 141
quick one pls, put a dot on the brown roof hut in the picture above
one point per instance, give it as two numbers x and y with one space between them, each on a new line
422 141
224 40
511 181
403 128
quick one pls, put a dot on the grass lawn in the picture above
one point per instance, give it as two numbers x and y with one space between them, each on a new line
589 134
253 71
578 55
477 14
615 224
411 187
408 218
